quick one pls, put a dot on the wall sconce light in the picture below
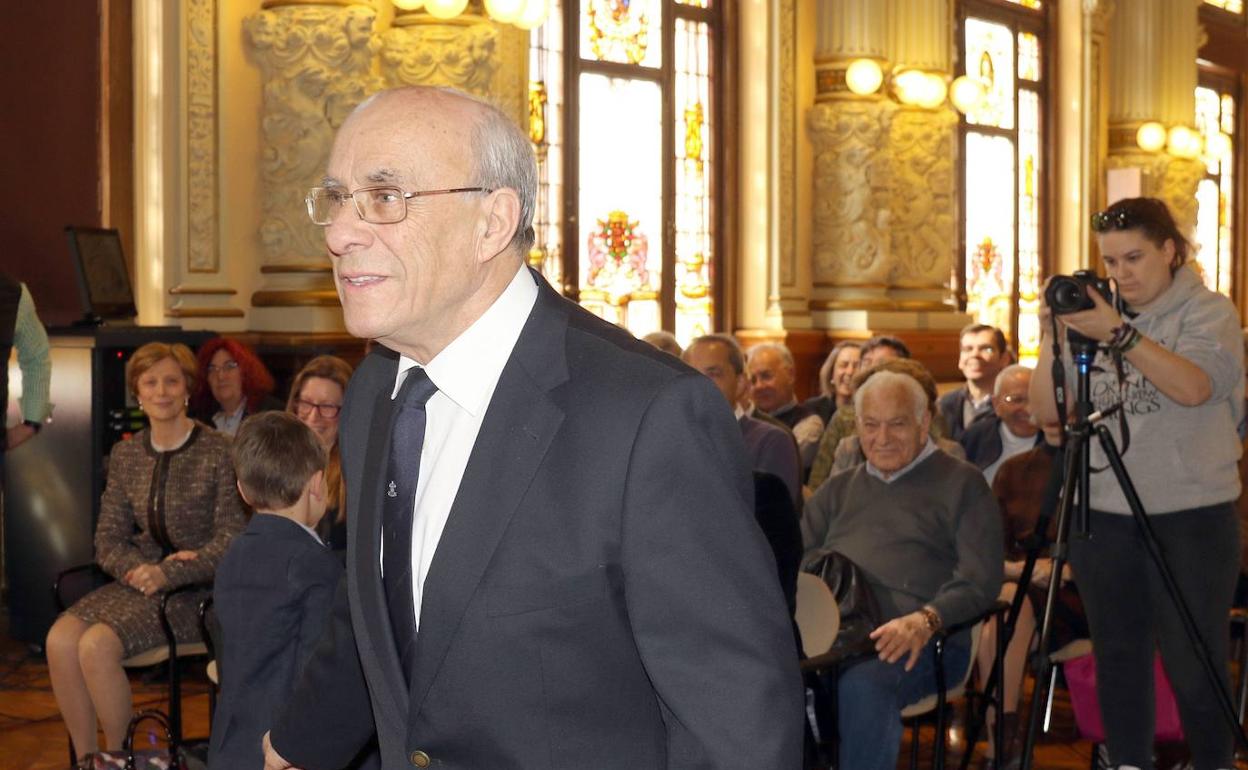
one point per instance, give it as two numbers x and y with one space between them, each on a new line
864 76
967 93
921 89
1151 136
1183 142
525 14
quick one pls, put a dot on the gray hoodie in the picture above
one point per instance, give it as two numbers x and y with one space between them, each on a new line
1180 457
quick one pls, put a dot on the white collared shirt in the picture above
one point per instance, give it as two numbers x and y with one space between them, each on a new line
465 373
924 453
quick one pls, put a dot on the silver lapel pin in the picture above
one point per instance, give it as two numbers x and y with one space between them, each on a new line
390 492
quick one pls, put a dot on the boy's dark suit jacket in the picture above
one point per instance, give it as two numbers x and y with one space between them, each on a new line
600 598
273 593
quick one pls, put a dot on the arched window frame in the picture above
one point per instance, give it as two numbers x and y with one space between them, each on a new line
1022 16
558 219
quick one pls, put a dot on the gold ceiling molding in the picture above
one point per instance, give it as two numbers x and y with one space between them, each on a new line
267 4
296 298
297 267
204 290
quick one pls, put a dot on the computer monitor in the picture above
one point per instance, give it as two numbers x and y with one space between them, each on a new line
103 281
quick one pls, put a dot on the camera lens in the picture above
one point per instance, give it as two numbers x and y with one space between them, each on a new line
1066 295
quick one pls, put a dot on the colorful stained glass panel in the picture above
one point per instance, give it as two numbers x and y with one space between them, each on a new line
1027 335
990 237
620 236
546 133
1215 113
625 31
695 3
694 169
1028 57
990 57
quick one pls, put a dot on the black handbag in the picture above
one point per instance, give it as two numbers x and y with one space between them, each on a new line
131 758
860 613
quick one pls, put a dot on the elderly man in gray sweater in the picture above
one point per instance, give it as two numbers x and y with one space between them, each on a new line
925 530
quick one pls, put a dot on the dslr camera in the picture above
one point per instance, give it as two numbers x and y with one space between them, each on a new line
1068 293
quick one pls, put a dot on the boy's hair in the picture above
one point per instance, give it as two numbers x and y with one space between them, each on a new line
274 456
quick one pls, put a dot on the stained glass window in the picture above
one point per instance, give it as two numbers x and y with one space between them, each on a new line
1234 6
629 169
546 133
1215 119
1003 171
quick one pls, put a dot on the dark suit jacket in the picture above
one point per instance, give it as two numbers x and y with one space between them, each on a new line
601 596
273 593
950 407
982 441
772 449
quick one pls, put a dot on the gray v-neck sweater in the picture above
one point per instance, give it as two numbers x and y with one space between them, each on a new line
932 536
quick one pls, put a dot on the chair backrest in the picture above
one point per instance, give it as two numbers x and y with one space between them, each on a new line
818 617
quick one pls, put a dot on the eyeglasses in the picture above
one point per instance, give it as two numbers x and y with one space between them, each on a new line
1109 219
328 411
228 366
375 205
1012 399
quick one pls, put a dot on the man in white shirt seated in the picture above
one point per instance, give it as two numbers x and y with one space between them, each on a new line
1009 430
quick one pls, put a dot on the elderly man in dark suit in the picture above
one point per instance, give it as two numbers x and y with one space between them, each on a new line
552 560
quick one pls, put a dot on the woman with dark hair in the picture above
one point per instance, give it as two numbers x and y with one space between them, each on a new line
1182 394
166 516
316 398
236 384
835 377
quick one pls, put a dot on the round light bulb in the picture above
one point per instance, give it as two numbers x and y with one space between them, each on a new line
864 76
504 11
533 15
445 9
1151 136
910 85
1183 142
966 93
934 91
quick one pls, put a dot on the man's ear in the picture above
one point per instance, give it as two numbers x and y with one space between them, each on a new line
243 494
502 217
317 487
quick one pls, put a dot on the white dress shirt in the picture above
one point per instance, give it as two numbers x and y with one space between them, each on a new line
465 373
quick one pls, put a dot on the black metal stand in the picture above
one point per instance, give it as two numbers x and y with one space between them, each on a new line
1077 475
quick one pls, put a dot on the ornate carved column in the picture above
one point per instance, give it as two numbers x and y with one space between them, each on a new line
316 60
885 229
468 52
1160 87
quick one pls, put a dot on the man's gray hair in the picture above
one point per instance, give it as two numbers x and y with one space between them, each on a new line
1013 370
780 350
887 379
736 359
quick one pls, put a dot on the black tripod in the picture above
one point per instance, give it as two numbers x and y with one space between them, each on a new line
1077 473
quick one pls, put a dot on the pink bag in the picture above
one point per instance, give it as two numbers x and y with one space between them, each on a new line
1081 681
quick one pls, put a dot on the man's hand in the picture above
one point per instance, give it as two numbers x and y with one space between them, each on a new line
899 636
147 579
19 434
272 760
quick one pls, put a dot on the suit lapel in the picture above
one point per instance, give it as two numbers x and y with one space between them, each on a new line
519 425
366 544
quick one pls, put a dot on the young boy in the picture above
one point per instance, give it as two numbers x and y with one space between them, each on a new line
274 587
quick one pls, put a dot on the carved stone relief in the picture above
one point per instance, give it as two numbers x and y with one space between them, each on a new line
923 203
461 56
787 213
316 62
201 136
1173 180
852 181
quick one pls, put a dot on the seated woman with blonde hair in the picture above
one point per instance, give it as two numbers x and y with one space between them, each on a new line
168 512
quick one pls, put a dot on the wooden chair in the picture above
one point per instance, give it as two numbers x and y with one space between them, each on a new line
167 653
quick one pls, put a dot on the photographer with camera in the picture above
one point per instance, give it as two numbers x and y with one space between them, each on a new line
1169 350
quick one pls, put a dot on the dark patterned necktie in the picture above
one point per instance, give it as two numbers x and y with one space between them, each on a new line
407 437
